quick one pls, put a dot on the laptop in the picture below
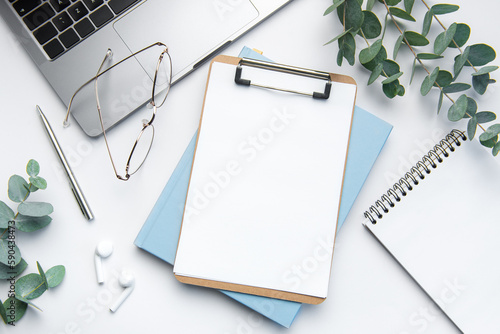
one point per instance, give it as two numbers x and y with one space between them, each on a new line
68 39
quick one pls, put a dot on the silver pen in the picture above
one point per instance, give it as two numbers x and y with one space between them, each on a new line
80 198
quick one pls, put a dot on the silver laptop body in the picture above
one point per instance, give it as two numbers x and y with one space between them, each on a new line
193 30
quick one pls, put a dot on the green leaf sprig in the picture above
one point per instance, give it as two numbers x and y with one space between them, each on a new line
30 217
366 24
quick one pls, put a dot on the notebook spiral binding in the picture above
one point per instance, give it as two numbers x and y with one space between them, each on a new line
424 166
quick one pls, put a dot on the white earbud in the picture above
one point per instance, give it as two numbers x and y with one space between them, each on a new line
127 281
103 250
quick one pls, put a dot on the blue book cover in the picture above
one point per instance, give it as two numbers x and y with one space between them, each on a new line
160 233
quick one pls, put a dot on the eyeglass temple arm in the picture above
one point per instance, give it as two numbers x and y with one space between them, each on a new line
98 105
99 73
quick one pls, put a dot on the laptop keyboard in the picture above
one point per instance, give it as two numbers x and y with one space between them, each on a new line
58 25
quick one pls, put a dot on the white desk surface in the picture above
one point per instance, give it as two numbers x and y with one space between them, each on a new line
369 292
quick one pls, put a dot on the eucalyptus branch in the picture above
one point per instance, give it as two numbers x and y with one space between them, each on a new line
444 28
368 44
419 60
404 37
413 51
30 217
374 58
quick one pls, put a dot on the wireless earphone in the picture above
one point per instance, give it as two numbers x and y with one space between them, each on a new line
127 281
103 250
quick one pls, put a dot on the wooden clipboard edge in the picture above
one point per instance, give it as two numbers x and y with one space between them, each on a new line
272 293
348 80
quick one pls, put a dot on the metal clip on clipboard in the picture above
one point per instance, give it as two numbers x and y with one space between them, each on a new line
285 69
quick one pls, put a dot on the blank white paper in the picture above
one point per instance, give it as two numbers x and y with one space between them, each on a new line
266 181
446 234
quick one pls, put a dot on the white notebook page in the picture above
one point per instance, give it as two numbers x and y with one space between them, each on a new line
446 234
266 183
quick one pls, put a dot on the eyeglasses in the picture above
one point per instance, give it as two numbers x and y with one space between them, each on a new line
158 83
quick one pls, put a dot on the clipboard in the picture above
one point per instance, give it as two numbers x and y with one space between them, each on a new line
263 199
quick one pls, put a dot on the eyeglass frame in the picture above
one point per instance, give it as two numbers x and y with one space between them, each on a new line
151 103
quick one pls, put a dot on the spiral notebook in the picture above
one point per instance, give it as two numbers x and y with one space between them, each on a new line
266 179
440 222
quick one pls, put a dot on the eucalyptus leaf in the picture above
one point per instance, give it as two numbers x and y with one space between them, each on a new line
29 302
398 44
370 4
496 149
32 168
42 274
18 188
368 54
33 188
6 215
471 127
379 58
340 56
16 311
7 272
426 56
461 35
480 54
390 68
485 117
490 133
427 22
456 87
398 12
443 79
490 142
390 90
416 39
333 7
409 5
351 9
401 90
375 73
55 275
38 182
480 83
10 255
3 314
348 46
393 89
429 82
35 209
458 109
440 102
413 68
460 61
392 78
471 107
371 26
444 39
494 129
30 286
441 9
484 70
337 37
31 224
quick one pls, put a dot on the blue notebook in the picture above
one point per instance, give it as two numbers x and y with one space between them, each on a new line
160 233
